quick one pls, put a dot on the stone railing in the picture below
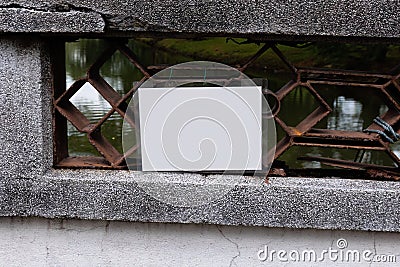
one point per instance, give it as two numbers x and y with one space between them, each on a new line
30 186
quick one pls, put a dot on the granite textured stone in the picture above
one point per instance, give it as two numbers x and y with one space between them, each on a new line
272 19
284 202
24 20
25 114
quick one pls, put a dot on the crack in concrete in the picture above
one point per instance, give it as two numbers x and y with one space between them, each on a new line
374 238
85 10
83 230
231 241
374 243
106 229
31 8
110 20
57 7
77 230
47 255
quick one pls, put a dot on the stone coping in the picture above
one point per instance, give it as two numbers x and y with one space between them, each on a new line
296 19
329 203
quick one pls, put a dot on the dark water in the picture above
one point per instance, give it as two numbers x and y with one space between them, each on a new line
352 109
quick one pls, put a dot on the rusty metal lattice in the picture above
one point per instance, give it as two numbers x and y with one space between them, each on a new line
112 158
303 134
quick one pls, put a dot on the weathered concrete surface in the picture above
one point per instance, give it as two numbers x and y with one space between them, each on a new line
41 242
284 202
299 18
25 113
31 21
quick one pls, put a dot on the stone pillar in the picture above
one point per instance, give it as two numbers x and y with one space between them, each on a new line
25 114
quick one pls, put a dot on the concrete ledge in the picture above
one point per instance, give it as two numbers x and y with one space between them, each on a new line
268 19
284 202
30 21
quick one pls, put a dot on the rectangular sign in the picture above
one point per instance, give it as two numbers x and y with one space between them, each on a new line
201 128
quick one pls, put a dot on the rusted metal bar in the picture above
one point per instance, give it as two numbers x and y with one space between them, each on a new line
375 171
336 72
87 162
289 64
105 148
133 59
103 57
351 84
257 55
346 164
59 123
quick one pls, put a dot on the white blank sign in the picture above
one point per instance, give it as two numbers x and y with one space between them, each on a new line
200 128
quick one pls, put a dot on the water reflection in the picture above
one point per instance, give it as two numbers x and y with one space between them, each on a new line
346 115
119 73
352 109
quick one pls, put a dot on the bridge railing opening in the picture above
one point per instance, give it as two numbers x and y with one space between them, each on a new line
329 120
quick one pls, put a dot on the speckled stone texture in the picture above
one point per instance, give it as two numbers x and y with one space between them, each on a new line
284 202
25 20
272 18
25 113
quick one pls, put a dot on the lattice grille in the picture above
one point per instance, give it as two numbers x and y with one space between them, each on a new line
303 134
118 104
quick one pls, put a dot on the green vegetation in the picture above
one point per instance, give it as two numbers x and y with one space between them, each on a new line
349 56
